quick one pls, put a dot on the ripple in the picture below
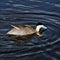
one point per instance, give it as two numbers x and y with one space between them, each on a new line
20 12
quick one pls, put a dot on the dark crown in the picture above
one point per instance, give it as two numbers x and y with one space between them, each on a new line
39 24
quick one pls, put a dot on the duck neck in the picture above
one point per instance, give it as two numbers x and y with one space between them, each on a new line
38 28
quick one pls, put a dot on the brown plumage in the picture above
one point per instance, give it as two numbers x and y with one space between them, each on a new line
20 33
21 30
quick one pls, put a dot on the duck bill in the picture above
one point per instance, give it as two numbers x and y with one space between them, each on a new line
43 29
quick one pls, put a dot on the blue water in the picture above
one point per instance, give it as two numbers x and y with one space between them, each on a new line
30 12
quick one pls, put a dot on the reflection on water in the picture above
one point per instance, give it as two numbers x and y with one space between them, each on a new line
31 12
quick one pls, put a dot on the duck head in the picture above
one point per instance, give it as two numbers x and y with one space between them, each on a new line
40 28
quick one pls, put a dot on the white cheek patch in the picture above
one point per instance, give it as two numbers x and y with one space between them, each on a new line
38 27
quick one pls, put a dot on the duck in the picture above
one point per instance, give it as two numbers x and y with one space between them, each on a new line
23 32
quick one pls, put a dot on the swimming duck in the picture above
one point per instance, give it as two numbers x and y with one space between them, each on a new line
23 31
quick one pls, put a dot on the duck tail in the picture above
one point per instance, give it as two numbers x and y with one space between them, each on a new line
15 27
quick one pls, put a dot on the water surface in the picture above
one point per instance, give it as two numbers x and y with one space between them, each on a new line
30 12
